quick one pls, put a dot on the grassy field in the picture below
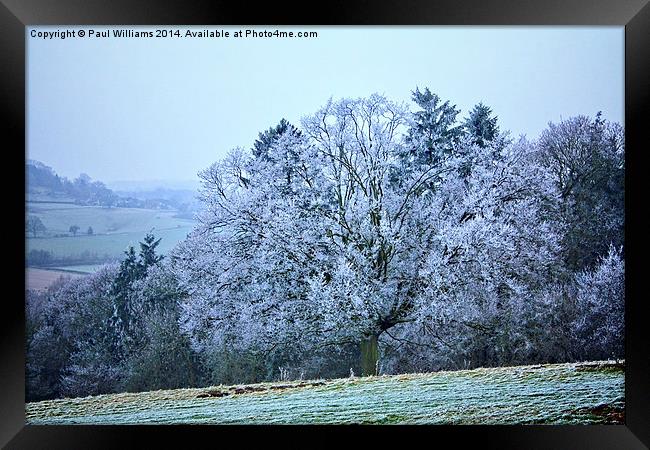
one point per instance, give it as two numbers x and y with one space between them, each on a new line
115 229
584 393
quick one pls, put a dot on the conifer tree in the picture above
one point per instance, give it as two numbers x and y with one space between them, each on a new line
132 268
267 138
481 126
434 132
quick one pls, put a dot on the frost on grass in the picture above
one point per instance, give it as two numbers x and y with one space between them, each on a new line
581 393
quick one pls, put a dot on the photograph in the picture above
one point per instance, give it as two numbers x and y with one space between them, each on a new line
325 225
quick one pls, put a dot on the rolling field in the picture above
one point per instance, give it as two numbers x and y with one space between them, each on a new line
112 245
115 229
58 217
581 393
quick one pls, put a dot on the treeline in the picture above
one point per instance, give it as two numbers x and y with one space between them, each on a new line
372 239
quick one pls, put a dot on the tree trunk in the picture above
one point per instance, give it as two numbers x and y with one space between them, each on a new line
369 356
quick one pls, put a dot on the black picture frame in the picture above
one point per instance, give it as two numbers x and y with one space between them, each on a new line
15 15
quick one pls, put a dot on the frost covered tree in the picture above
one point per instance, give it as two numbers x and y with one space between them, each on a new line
246 267
160 356
356 244
586 159
263 148
481 125
87 303
433 132
69 338
75 345
600 303
267 139
45 347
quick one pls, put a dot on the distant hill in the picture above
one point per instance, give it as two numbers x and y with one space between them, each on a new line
44 185
154 185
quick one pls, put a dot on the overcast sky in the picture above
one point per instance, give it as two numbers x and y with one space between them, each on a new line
165 108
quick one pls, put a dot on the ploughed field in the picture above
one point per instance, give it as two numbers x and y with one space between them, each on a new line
580 393
41 279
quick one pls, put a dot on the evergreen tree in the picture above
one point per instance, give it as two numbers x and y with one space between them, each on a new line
266 139
132 268
433 133
121 290
271 148
481 126
148 255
